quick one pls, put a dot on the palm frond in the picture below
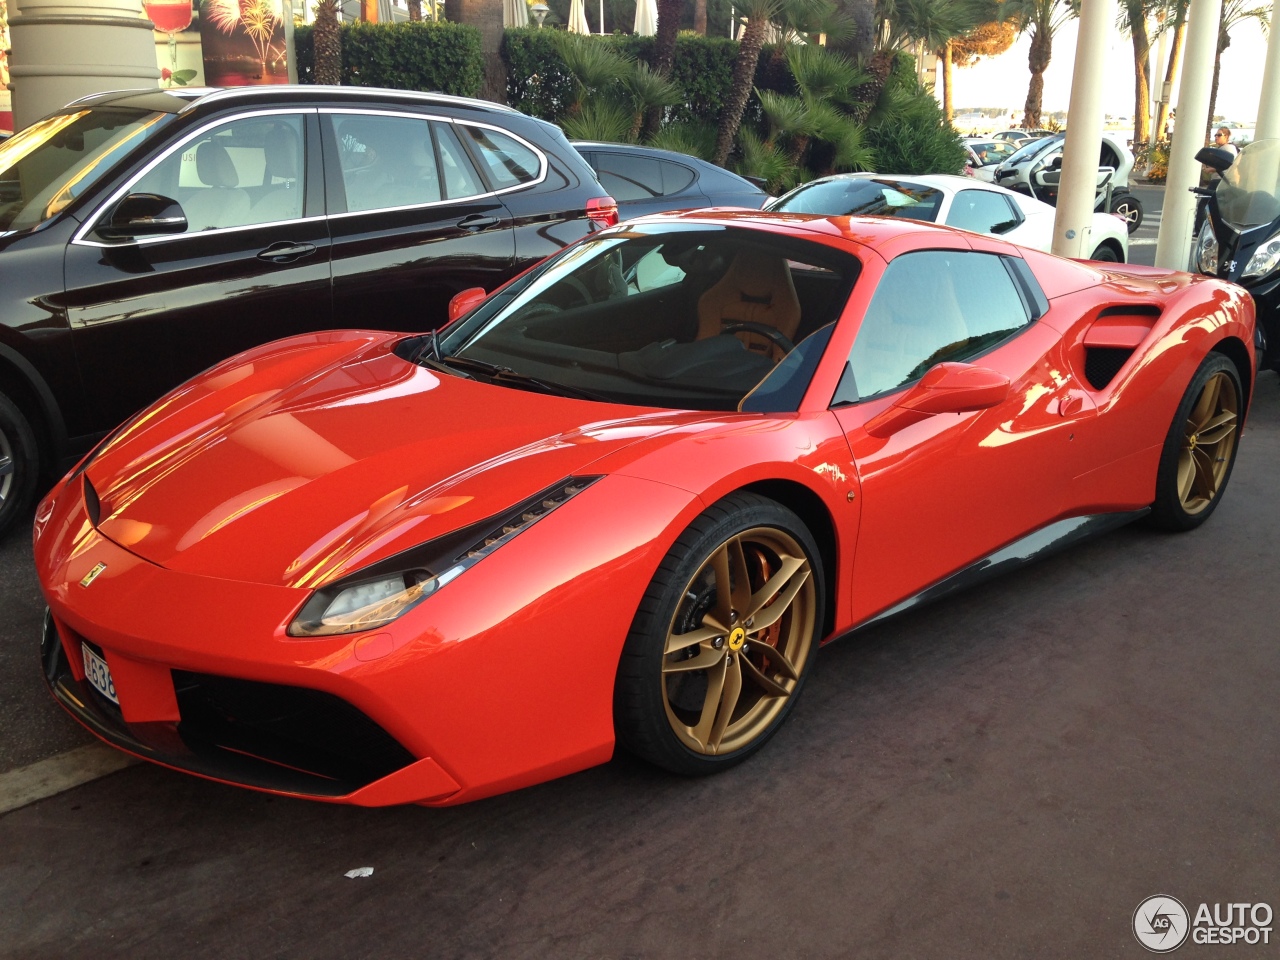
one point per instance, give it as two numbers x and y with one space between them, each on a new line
821 74
600 118
650 89
787 116
763 161
695 139
594 65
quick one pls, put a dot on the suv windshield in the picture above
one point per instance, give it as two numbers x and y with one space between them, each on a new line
44 167
1249 194
688 317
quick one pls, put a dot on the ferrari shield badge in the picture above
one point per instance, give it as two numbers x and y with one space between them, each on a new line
92 575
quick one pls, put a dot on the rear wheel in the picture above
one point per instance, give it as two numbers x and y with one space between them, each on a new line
1200 449
1130 208
723 640
19 464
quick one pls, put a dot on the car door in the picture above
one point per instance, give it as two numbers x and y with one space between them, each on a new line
251 266
413 220
944 492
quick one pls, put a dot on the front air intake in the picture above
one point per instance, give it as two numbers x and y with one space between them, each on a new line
304 730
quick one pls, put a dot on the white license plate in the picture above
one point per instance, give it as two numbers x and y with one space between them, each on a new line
96 672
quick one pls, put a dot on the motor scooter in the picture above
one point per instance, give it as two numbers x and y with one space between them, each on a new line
1240 238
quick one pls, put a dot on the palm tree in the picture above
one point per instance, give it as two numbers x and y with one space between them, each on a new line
1042 18
1177 10
1131 18
758 14
989 39
1234 13
486 16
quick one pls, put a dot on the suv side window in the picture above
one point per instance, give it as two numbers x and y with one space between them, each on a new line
930 306
386 161
244 172
508 162
456 170
982 211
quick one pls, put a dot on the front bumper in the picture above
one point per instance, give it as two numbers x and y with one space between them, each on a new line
272 737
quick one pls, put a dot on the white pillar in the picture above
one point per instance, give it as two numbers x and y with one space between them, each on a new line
1078 187
67 49
1173 245
1268 126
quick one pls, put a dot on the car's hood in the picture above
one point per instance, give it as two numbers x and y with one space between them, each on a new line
312 457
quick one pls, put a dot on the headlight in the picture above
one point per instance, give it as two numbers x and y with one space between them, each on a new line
388 590
1207 250
1264 259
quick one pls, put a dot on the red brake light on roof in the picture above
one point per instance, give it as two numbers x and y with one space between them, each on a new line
602 210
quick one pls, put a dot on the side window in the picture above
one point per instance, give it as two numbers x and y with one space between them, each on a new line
386 161
931 306
675 177
982 211
633 178
508 162
460 178
243 172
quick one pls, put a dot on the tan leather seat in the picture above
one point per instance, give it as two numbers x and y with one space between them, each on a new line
757 288
224 204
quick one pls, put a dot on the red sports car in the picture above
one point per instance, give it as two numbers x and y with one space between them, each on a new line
623 500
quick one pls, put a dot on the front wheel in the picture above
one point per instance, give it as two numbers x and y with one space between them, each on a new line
19 464
1129 208
1200 448
723 639
1106 254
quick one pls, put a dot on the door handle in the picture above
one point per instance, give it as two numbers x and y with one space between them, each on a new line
478 222
286 251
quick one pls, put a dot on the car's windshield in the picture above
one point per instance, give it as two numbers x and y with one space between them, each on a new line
1249 194
859 196
1028 150
45 166
677 316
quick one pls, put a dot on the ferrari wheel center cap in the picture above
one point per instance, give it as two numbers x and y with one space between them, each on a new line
737 638
1192 440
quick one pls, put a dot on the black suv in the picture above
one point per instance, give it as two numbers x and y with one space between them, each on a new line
145 235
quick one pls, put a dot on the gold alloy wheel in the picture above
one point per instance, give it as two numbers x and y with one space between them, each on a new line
739 641
1209 443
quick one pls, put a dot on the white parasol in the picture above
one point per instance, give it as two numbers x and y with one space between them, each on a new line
578 18
515 13
646 18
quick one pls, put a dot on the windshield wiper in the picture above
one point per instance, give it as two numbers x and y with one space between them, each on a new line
500 374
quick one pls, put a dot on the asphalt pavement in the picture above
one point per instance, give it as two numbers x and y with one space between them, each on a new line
1007 773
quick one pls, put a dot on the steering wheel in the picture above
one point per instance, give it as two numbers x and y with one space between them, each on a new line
772 334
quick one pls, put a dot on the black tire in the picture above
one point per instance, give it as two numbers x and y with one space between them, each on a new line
19 464
1200 449
1129 207
1106 254
657 696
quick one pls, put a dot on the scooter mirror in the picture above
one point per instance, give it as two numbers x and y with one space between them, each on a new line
1214 158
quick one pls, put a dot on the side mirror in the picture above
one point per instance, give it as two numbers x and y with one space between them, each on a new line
466 301
946 388
143 214
1057 163
1214 158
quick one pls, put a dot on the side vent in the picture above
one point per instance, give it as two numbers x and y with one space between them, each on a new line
1112 338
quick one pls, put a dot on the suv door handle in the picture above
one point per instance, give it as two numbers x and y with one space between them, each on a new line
286 251
478 222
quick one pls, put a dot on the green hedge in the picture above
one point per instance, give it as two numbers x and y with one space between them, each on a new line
441 57
539 84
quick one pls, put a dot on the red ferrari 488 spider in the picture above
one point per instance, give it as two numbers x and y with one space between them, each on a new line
623 500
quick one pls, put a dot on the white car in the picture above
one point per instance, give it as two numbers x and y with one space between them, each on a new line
955 201
984 155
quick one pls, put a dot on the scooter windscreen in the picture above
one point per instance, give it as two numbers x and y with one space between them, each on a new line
1249 194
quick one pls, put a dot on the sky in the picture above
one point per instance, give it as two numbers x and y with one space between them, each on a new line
1002 81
